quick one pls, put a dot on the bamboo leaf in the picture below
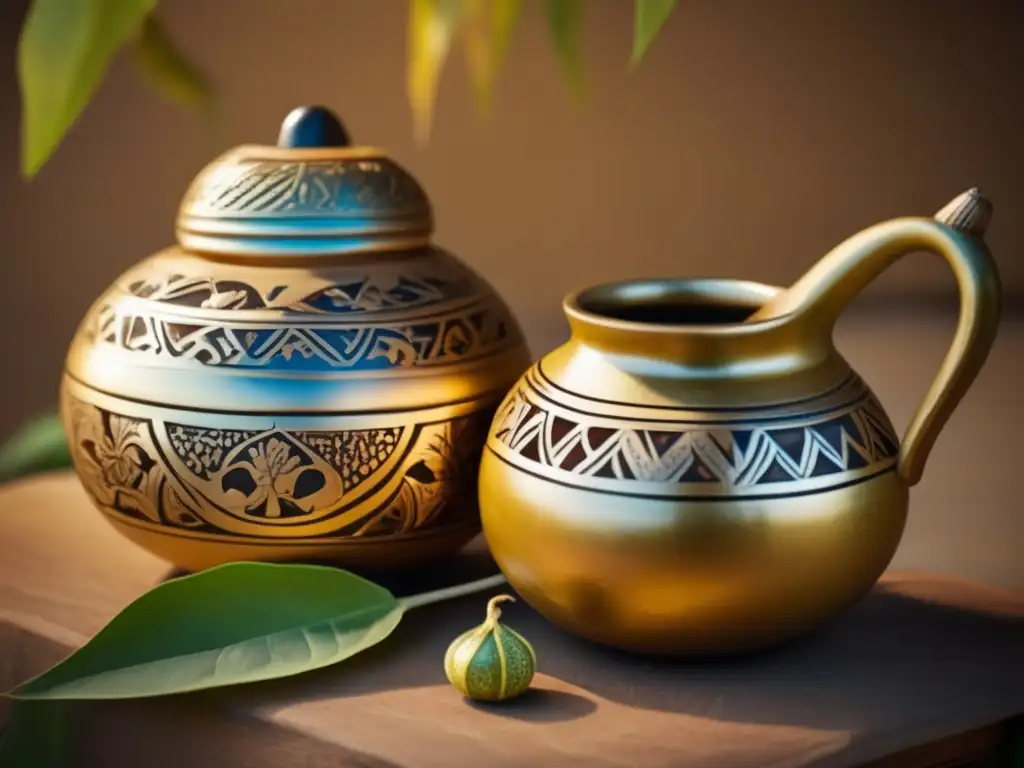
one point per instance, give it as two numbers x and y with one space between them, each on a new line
37 735
648 19
164 65
565 22
488 27
432 26
38 446
63 54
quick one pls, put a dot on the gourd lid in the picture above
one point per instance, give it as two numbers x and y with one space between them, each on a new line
313 193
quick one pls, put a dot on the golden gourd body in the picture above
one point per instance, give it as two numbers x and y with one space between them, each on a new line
676 480
304 376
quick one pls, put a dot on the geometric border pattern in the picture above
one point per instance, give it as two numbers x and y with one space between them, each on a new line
451 338
853 440
359 292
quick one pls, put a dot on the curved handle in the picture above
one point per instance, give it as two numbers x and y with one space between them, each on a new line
820 296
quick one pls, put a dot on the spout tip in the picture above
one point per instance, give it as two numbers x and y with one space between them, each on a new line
968 212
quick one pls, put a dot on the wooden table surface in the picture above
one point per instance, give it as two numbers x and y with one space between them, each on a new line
922 658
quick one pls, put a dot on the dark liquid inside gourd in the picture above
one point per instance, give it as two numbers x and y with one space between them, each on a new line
672 313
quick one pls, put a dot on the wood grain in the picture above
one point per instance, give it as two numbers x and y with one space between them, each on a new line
921 659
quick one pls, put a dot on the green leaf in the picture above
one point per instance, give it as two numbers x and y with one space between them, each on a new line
37 735
39 446
161 62
1010 751
565 22
488 28
432 26
64 51
648 19
237 623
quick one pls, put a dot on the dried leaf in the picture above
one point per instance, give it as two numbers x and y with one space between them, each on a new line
432 26
63 54
163 64
565 22
488 27
648 19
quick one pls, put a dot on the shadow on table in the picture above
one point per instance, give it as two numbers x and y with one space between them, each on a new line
897 651
539 705
473 562
413 655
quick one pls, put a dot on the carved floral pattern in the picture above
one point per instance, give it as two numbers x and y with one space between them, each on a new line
444 478
273 476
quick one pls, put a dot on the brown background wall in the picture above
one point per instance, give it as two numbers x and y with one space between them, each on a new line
756 135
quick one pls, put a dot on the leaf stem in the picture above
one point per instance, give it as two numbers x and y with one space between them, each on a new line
449 593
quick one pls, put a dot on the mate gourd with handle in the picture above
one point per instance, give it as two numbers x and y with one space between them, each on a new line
699 471
304 376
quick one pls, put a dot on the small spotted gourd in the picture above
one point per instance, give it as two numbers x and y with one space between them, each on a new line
491 662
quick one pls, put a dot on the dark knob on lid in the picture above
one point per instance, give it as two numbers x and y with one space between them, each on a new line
312 127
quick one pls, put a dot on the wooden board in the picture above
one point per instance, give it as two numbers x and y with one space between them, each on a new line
922 658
